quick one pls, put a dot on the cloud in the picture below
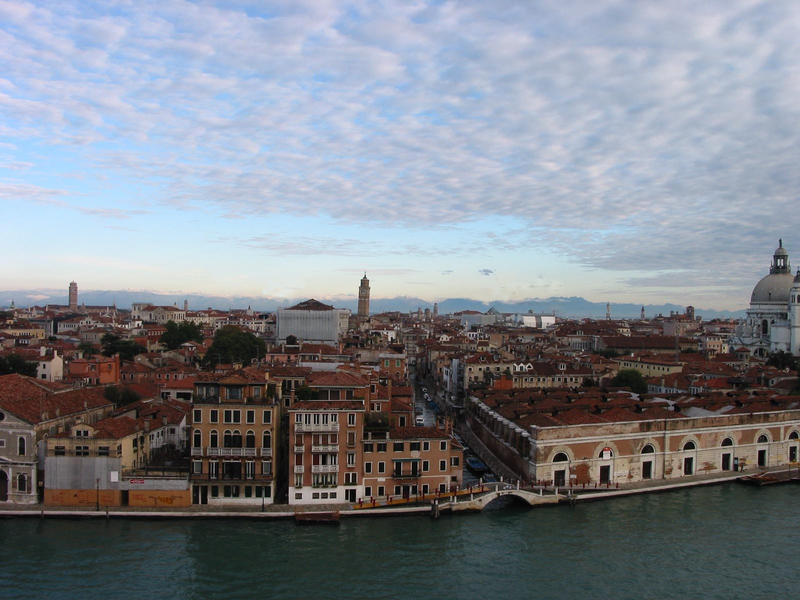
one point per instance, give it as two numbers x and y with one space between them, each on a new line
486 272
624 136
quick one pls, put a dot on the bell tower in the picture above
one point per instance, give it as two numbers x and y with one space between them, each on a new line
363 298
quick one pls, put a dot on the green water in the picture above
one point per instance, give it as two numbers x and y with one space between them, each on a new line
716 542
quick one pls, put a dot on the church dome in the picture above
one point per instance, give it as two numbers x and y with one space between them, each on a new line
773 289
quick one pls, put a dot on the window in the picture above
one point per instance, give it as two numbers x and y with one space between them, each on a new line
443 445
381 467
351 419
266 417
381 490
426 446
213 416
399 446
402 421
235 393
250 440
266 467
197 467
102 451
21 447
368 447
689 445
215 491
232 416
197 439
368 491
382 447
22 482
298 418
397 490
214 439
454 461
425 466
351 459
250 469
442 465
414 446
197 416
762 439
367 467
60 450
266 440
82 450
251 416
351 438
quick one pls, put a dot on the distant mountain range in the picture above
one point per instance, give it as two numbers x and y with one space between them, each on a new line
574 307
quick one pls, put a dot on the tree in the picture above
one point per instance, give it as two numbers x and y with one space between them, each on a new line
14 363
231 344
120 396
178 334
113 344
87 348
630 378
782 360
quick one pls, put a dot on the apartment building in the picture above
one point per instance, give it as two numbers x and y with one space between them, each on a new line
234 429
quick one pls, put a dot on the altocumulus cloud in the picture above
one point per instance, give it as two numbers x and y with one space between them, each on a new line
658 133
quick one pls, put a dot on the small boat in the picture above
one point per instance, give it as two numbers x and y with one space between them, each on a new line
764 478
476 465
316 518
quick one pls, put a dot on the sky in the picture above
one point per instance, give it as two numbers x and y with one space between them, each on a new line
621 151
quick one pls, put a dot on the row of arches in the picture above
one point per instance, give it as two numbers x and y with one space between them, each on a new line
687 457
231 439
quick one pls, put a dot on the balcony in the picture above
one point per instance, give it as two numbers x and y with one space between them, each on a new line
197 451
299 449
406 475
326 449
232 451
266 452
298 468
324 468
329 428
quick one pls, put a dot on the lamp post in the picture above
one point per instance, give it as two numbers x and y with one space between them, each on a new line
97 494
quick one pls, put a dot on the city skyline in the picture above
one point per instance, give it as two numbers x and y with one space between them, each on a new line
620 152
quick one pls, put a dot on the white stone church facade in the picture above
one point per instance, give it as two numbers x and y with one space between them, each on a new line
772 323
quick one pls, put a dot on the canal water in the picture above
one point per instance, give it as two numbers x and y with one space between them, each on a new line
726 541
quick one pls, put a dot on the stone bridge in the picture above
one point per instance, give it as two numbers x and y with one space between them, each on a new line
479 500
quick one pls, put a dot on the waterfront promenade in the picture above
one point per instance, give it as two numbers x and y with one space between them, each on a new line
468 499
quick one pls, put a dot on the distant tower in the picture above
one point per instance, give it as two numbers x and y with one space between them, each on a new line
690 313
642 314
185 304
435 309
427 314
363 298
73 295
608 311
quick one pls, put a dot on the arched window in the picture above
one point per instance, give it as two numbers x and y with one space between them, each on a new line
648 449
250 440
606 453
21 446
227 439
689 445
762 439
198 439
793 435
22 482
727 442
236 439
214 439
560 457
266 440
